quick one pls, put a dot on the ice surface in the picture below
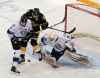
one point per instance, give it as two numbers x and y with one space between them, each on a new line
10 12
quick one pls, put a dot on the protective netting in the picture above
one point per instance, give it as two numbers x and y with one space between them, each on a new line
86 20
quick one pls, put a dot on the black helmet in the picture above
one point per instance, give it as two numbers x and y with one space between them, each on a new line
36 11
29 13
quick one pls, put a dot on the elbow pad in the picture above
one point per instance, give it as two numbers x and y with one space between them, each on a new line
9 32
44 40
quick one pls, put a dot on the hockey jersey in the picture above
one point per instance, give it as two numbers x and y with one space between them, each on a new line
19 31
62 42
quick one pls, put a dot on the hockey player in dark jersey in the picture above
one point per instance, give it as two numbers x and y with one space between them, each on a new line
38 22
29 27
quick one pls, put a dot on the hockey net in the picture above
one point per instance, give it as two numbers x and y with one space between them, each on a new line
86 20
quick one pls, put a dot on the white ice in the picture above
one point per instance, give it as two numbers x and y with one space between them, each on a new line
10 12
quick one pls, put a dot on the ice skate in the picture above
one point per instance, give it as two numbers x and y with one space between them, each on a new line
22 59
14 70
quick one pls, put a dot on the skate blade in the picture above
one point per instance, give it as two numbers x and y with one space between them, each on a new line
15 73
55 66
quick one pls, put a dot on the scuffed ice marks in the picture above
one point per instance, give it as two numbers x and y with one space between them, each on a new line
9 10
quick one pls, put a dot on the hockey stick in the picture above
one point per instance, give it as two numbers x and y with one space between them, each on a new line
57 24
69 32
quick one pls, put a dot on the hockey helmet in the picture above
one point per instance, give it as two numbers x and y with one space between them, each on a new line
29 13
36 11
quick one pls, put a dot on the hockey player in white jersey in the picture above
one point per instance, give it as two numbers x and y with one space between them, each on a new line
28 28
54 45
19 37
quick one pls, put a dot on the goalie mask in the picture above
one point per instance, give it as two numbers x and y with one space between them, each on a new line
52 36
